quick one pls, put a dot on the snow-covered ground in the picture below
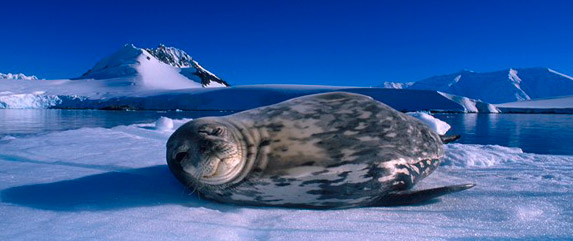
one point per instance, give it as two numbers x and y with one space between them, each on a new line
113 184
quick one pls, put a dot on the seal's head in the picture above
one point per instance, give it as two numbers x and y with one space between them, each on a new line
205 151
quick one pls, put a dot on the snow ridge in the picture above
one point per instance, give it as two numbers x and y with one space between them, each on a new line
163 68
171 56
500 86
396 85
19 76
178 58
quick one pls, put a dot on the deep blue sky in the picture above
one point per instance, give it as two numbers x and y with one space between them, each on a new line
354 42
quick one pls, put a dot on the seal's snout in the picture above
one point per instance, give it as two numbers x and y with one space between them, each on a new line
205 151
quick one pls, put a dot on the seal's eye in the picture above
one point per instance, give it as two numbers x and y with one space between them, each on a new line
180 156
211 132
218 132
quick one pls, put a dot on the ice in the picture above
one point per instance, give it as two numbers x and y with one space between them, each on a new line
167 78
561 104
436 124
164 124
480 155
113 184
94 94
28 101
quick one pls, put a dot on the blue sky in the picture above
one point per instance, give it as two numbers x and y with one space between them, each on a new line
360 43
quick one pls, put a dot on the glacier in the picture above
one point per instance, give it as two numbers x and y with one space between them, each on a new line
557 105
235 98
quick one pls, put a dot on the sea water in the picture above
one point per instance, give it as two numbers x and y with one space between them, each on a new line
533 133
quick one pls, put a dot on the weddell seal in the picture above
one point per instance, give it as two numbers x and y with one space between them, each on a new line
331 150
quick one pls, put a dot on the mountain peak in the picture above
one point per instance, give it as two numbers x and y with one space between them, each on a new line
508 85
171 56
153 67
19 76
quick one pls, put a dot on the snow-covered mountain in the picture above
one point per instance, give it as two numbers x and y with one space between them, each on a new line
160 68
501 86
19 76
396 85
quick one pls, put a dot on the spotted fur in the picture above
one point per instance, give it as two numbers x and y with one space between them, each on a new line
332 150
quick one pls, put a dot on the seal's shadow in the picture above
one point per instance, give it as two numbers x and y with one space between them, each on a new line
149 186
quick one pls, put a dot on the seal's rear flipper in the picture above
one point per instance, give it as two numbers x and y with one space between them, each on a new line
448 139
410 197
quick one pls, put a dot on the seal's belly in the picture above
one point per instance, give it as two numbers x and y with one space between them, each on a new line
344 185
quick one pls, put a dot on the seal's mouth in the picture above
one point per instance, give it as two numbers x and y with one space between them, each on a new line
220 171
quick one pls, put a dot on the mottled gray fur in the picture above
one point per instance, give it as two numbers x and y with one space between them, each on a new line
318 151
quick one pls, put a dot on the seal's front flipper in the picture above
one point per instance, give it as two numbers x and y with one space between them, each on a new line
448 139
410 197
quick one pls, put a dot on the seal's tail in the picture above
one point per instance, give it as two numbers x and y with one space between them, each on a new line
448 139
410 197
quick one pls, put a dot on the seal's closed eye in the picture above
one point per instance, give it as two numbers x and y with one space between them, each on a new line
207 131
218 131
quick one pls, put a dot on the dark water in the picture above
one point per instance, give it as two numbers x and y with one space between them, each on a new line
533 133
15 122
544 134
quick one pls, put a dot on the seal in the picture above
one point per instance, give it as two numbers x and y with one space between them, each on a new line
330 150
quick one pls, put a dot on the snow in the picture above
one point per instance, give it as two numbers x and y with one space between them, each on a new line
96 94
20 76
562 104
157 75
557 102
436 124
167 78
164 124
113 184
138 69
28 101
501 86
471 105
396 85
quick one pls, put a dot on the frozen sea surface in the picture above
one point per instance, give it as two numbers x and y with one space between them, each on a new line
113 184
